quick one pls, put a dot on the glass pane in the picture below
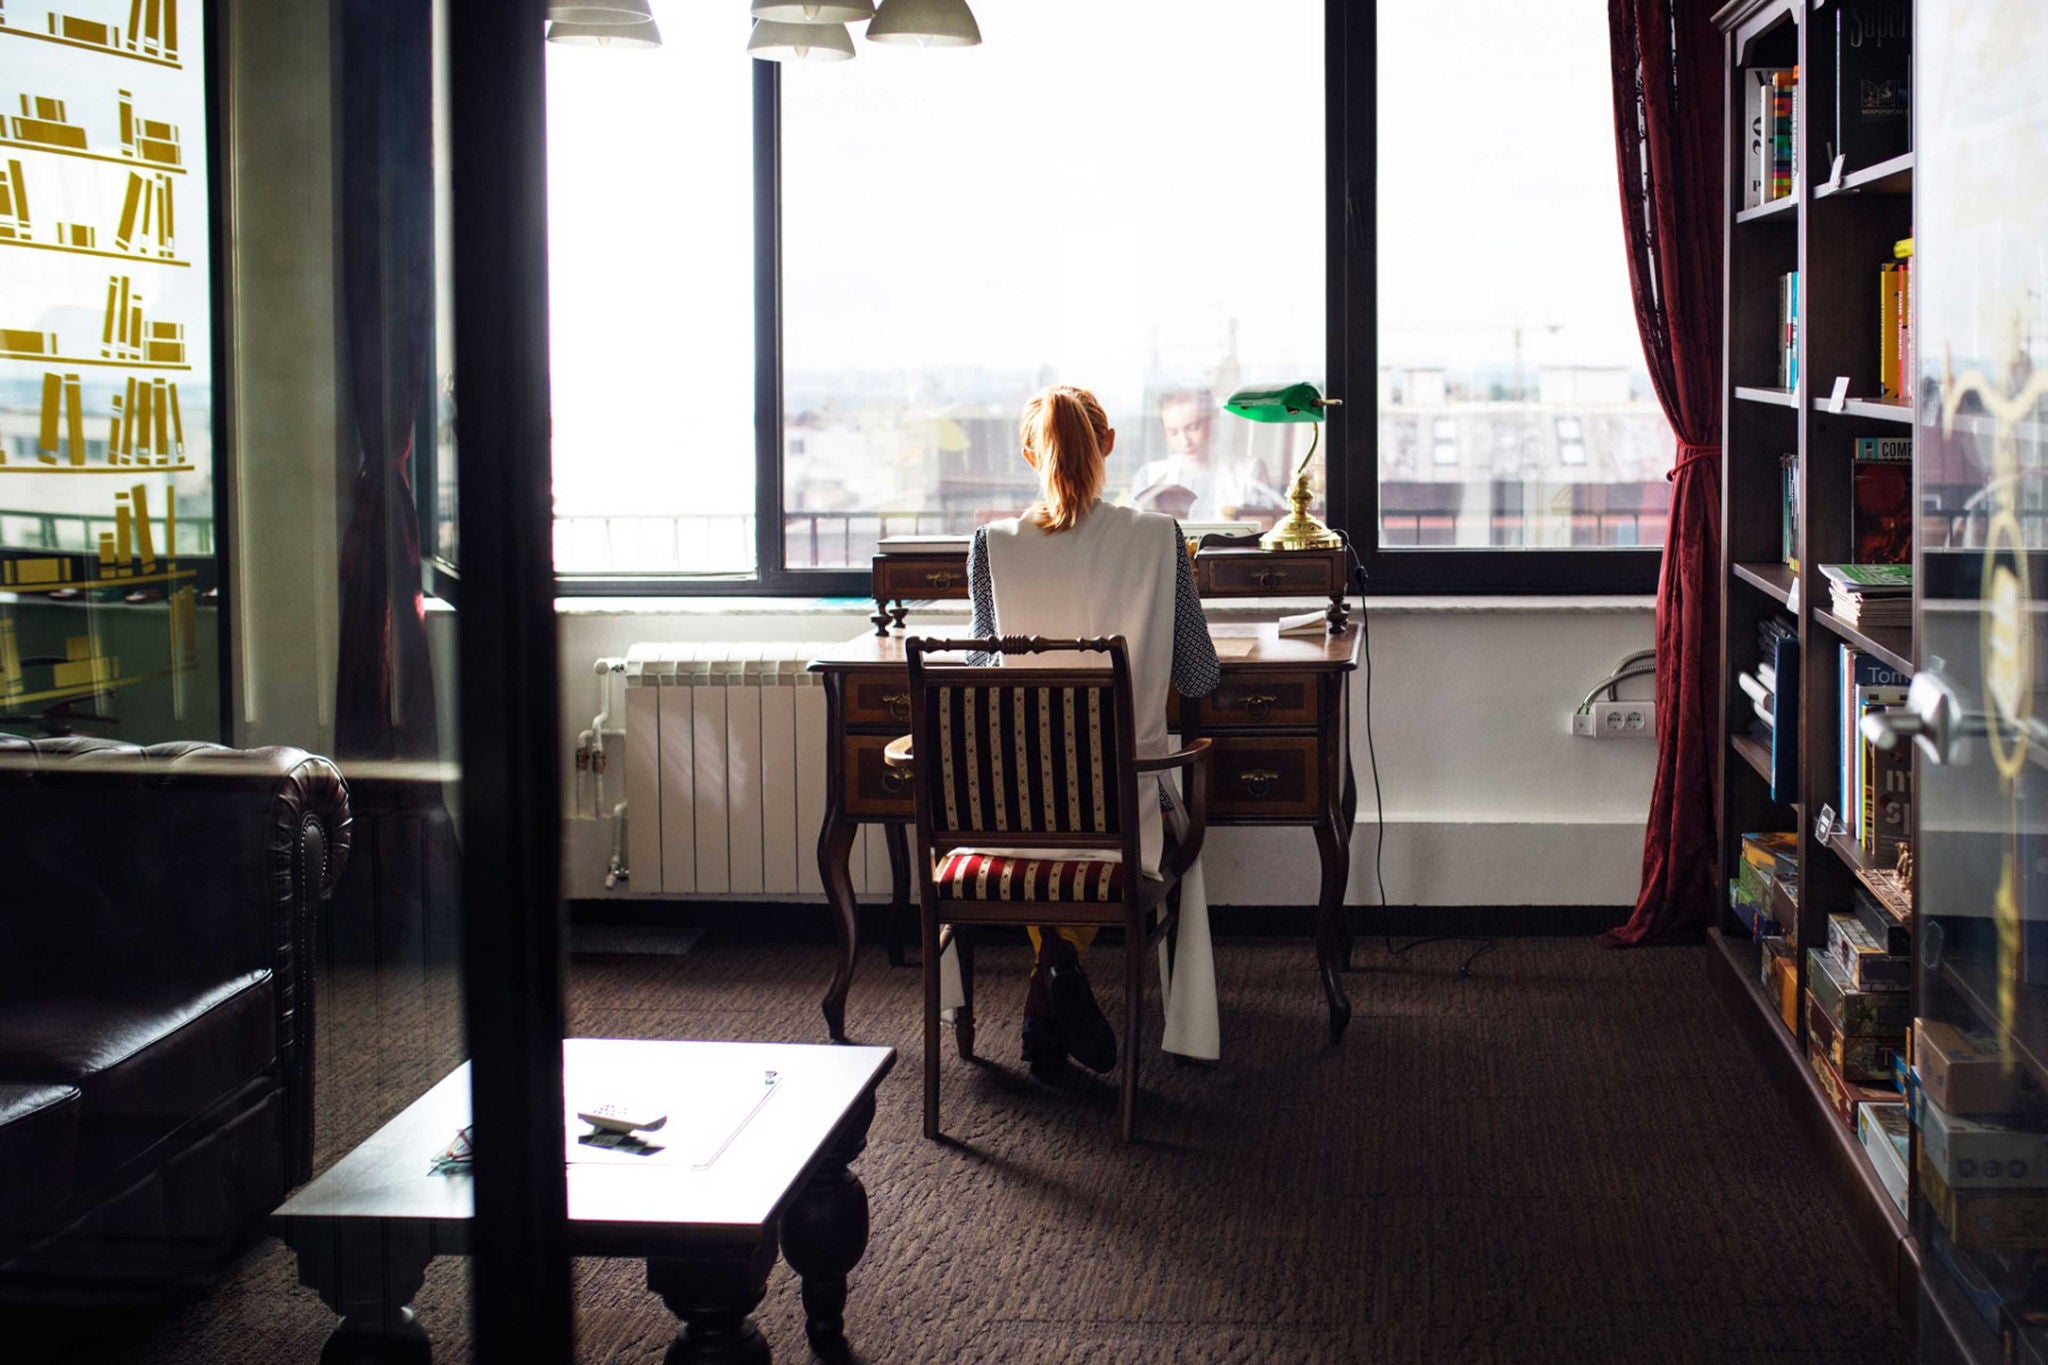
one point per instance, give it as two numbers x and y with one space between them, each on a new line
961 228
268 927
651 299
109 621
1514 408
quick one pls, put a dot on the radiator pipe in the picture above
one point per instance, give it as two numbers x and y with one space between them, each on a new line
593 738
617 872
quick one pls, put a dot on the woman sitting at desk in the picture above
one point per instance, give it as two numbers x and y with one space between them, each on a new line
1075 566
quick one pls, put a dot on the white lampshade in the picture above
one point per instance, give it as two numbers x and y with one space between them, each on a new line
927 23
778 42
599 12
641 35
814 11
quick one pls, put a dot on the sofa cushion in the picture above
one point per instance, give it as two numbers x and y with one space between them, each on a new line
145 1063
38 1150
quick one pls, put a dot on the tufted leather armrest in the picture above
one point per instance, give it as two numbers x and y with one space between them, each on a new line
184 860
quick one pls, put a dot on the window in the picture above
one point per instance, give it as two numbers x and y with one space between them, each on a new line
859 271
1506 329
651 300
1139 212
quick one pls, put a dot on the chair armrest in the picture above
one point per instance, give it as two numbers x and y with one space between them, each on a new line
899 755
1194 755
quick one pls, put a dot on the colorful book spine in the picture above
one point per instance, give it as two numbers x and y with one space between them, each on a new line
1903 344
1784 87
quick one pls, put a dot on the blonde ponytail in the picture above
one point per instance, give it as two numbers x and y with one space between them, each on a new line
1063 432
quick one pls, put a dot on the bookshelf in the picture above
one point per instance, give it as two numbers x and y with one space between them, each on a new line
1834 233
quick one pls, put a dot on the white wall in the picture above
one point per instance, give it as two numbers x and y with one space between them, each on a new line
1489 801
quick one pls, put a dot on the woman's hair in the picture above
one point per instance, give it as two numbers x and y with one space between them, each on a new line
1063 431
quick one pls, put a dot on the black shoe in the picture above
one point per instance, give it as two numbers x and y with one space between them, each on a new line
1042 1045
1083 1029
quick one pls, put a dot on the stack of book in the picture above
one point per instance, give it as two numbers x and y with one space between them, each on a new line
1765 892
1773 691
1983 1171
1871 596
1895 324
1788 330
1771 155
1858 1010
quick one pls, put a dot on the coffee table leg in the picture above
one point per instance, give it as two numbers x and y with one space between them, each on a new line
714 1288
369 1273
824 1232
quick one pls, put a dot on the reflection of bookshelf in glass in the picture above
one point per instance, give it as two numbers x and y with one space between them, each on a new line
151 34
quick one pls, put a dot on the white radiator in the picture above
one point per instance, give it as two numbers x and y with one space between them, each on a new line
725 773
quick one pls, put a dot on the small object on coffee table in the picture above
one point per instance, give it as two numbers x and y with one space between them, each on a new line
618 1118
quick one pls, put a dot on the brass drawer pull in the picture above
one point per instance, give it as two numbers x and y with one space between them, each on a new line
895 783
1259 782
898 704
1268 578
945 578
1256 704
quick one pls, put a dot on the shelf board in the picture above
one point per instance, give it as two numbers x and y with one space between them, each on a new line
1774 580
1892 177
1774 209
1895 647
1755 753
1876 411
1896 904
1782 398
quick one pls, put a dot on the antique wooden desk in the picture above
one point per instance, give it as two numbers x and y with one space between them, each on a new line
1280 722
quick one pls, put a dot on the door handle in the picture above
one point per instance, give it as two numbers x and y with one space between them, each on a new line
1933 717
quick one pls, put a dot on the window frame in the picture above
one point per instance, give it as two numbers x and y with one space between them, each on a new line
1352 362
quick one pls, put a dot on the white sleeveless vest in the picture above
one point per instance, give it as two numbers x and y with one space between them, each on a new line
1113 574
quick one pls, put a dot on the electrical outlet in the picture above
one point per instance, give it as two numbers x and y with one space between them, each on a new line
1616 720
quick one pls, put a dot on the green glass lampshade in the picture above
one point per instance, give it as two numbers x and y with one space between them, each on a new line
1292 403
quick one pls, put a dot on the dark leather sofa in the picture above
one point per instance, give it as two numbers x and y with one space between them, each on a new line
157 913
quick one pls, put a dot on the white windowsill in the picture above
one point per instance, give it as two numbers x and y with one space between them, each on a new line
1220 609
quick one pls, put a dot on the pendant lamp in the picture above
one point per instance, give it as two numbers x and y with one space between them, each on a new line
641 35
927 23
814 11
599 12
778 42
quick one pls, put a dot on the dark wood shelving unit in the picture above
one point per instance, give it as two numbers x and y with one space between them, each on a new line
1835 237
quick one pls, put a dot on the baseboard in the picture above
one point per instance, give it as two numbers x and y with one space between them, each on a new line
807 922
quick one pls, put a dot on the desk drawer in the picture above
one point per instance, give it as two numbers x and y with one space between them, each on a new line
1259 701
1278 574
879 699
910 577
1278 776
872 787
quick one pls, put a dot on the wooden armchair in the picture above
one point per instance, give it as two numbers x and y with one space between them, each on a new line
1029 758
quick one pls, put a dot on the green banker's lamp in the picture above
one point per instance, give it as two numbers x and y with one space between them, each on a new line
1299 530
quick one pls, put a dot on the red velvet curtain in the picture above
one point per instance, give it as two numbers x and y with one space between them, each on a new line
1668 93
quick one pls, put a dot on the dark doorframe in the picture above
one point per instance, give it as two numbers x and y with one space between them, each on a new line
511 796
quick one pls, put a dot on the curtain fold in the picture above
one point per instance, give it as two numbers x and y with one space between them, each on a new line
384 192
1669 91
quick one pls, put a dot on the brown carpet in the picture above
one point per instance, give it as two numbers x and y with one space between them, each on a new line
1565 1158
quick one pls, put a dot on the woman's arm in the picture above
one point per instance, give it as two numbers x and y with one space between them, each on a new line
981 592
1195 670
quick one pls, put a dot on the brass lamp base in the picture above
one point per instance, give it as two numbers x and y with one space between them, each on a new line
1299 530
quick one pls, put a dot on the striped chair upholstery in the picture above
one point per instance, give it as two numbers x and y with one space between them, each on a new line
1035 760
970 876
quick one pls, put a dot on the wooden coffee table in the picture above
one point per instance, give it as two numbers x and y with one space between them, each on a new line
754 1158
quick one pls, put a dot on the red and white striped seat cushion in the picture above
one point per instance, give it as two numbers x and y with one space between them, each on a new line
966 876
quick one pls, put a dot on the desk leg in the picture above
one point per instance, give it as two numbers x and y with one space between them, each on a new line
369 1273
1335 850
900 917
714 1288
825 1232
1350 814
835 847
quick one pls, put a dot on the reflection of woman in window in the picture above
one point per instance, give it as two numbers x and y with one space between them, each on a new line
1076 566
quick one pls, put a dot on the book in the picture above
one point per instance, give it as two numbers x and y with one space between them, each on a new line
1903 251
1305 623
1788 498
1880 510
1888 332
1873 59
1756 122
1788 330
1866 683
1784 133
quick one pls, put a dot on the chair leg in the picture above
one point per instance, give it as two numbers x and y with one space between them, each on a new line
963 1018
929 926
1134 1021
